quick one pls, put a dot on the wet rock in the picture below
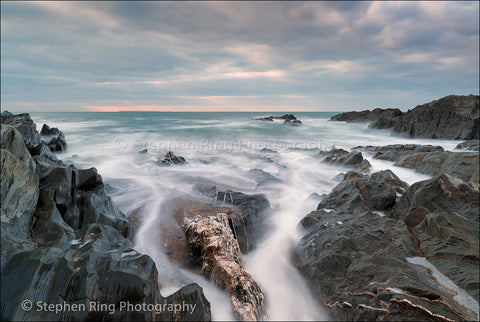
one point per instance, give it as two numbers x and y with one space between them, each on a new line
471 145
262 177
172 159
431 160
452 117
352 159
191 294
143 151
440 194
288 119
213 238
27 128
250 226
367 115
53 138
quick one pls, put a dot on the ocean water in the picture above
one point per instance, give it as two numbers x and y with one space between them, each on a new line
222 147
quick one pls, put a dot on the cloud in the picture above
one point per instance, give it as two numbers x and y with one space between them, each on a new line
311 55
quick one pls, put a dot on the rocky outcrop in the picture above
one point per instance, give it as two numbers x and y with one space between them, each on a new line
431 160
53 138
171 159
27 128
250 226
65 243
421 264
342 157
214 240
472 145
367 115
452 117
288 119
358 193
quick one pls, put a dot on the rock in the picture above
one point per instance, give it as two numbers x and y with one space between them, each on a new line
359 194
213 238
288 119
27 128
352 159
471 145
98 267
431 160
191 294
19 193
64 241
53 138
172 159
249 227
362 266
262 177
143 151
440 194
452 117
367 115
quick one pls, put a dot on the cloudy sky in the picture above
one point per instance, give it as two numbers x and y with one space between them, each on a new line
236 56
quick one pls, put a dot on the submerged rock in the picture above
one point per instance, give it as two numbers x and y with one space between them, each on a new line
262 177
213 238
53 138
472 145
172 159
250 226
288 119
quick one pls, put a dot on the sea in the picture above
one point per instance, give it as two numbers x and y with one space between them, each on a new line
222 148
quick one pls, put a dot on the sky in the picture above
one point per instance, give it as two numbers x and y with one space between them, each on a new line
236 56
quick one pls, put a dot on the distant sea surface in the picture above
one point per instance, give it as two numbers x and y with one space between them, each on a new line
223 147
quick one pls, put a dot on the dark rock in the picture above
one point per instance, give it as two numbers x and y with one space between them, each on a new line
250 226
190 294
384 122
143 151
452 117
352 159
359 194
431 160
172 159
367 115
262 177
471 145
53 138
440 194
27 128
288 119
362 266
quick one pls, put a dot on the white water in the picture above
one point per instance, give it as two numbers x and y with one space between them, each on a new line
231 145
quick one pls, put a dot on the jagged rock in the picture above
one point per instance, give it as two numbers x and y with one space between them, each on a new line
452 117
172 159
191 294
53 138
262 177
472 145
249 227
70 247
288 119
27 128
352 159
367 115
213 238
368 267
431 160
19 193
440 194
